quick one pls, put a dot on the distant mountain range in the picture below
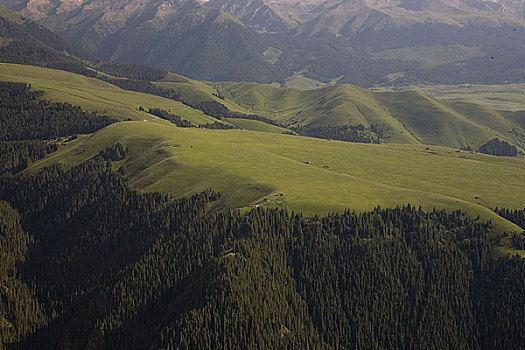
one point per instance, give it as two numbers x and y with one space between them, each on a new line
308 43
275 15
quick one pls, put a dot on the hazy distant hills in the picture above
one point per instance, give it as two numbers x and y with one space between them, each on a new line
273 15
178 35
307 43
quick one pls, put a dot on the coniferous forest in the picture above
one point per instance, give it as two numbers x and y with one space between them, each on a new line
156 272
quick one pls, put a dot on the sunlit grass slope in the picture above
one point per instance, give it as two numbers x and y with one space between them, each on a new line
407 117
254 168
508 97
256 125
93 94
196 91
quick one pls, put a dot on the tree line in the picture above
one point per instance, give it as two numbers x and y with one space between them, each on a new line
130 71
348 133
15 156
24 115
183 123
499 147
517 216
98 265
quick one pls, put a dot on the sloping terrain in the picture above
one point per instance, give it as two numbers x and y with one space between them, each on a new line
253 168
176 35
264 168
95 95
406 117
358 42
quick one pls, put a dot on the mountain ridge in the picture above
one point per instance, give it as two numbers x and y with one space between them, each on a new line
268 41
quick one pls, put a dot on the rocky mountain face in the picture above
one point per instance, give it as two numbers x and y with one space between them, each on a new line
274 14
363 42
179 35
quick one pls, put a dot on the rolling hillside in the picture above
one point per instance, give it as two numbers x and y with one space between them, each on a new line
251 167
404 117
143 209
254 168
95 95
407 117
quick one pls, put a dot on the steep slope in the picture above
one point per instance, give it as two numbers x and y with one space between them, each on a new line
363 42
474 41
13 26
259 14
177 35
25 42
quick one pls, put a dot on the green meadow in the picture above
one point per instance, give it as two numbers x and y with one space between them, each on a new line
257 165
95 95
407 117
508 97
309 175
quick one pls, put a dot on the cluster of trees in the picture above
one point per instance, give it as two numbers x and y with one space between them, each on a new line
499 147
114 152
234 115
175 119
516 216
141 86
131 71
21 52
217 126
25 116
15 156
183 123
517 241
348 133
155 272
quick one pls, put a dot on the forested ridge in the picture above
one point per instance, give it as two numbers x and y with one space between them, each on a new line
30 125
25 116
151 271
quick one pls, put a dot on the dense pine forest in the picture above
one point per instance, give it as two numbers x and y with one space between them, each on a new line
30 125
347 133
499 147
151 271
24 115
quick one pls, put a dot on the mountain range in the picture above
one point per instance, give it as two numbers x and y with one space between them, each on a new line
363 42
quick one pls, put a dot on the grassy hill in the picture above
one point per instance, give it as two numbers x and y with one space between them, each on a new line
507 97
95 95
407 117
254 168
